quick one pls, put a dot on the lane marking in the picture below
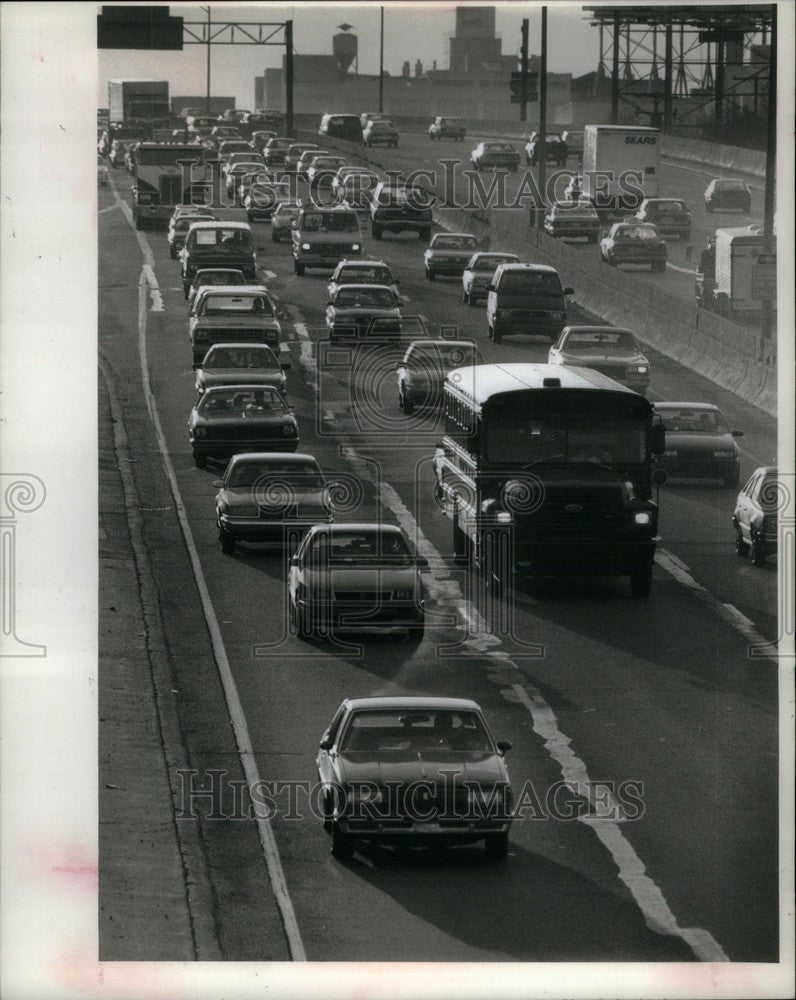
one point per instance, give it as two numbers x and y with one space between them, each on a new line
726 613
632 871
146 251
273 861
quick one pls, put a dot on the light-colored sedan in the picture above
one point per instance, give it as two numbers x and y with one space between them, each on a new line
488 155
478 274
285 214
361 272
380 133
232 364
756 516
449 254
421 373
610 350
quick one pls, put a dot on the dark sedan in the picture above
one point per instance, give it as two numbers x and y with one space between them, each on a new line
488 155
240 418
670 216
449 254
414 770
724 193
363 311
231 364
269 497
573 219
699 443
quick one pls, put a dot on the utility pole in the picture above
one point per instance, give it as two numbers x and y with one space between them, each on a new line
542 174
615 74
207 100
769 246
381 63
524 71
289 77
667 78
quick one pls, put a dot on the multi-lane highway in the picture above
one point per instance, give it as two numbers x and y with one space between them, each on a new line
661 698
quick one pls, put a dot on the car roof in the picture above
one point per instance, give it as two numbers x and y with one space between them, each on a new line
239 289
481 382
362 263
243 345
370 286
390 529
669 405
218 270
440 343
215 224
386 702
241 387
520 266
595 328
469 236
259 456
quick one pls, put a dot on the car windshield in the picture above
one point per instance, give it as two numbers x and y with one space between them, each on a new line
531 282
361 546
518 439
589 340
454 243
381 126
552 137
416 730
360 298
274 473
235 147
336 222
241 403
490 263
184 222
730 185
666 208
636 233
232 239
262 358
364 275
221 305
694 421
248 167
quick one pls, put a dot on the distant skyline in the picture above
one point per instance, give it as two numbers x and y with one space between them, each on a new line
411 32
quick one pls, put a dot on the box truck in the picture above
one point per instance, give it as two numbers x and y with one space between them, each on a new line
621 167
139 101
735 273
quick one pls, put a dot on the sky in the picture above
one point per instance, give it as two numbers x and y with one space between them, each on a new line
411 31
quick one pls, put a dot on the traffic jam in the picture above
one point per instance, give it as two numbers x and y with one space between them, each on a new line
436 504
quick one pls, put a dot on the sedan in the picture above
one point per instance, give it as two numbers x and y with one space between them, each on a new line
270 497
361 272
274 151
699 443
229 146
323 170
285 214
670 216
478 274
293 154
178 229
570 219
222 133
629 243
235 175
555 149
724 193
610 350
241 418
260 138
488 155
263 197
421 373
213 276
363 312
447 128
305 160
380 133
755 518
356 576
232 364
414 770
449 253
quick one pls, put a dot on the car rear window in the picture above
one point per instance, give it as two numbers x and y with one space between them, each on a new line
694 421
532 282
363 298
413 729
586 340
241 357
220 305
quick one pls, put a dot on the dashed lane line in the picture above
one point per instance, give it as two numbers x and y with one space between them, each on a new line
148 282
632 871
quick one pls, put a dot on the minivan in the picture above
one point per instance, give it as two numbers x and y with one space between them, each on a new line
526 298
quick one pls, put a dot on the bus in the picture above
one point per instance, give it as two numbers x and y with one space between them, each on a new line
548 471
164 178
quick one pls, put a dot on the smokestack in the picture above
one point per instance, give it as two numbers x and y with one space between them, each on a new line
418 68
406 71
434 66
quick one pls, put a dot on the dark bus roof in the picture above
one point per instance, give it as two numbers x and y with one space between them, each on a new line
479 383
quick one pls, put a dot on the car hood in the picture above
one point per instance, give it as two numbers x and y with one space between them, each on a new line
699 442
364 578
244 496
407 766
226 420
369 312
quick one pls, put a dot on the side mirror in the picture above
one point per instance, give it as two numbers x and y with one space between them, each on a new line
503 746
326 744
659 477
658 439
218 483
737 434
569 291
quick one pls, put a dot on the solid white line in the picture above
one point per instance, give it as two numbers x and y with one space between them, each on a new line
725 612
648 896
245 749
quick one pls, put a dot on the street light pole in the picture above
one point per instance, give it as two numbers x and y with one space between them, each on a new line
542 175
207 99
769 246
381 63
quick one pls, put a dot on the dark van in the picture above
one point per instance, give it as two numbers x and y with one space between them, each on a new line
526 298
341 127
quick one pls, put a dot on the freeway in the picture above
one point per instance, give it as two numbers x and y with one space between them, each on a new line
588 685
416 151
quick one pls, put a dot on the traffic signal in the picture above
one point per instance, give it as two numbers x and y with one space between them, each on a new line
515 83
138 28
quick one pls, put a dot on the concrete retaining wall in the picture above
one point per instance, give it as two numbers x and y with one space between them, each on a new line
710 345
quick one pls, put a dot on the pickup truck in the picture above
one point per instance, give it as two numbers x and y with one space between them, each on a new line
218 244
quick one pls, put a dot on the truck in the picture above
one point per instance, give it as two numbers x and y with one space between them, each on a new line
134 101
165 178
621 167
732 269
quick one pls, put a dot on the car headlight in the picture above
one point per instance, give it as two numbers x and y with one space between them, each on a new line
355 246
641 517
503 517
641 369
200 432
289 430
403 595
305 246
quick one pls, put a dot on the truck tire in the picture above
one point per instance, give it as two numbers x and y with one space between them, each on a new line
342 844
641 580
375 231
756 551
741 545
227 542
298 268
